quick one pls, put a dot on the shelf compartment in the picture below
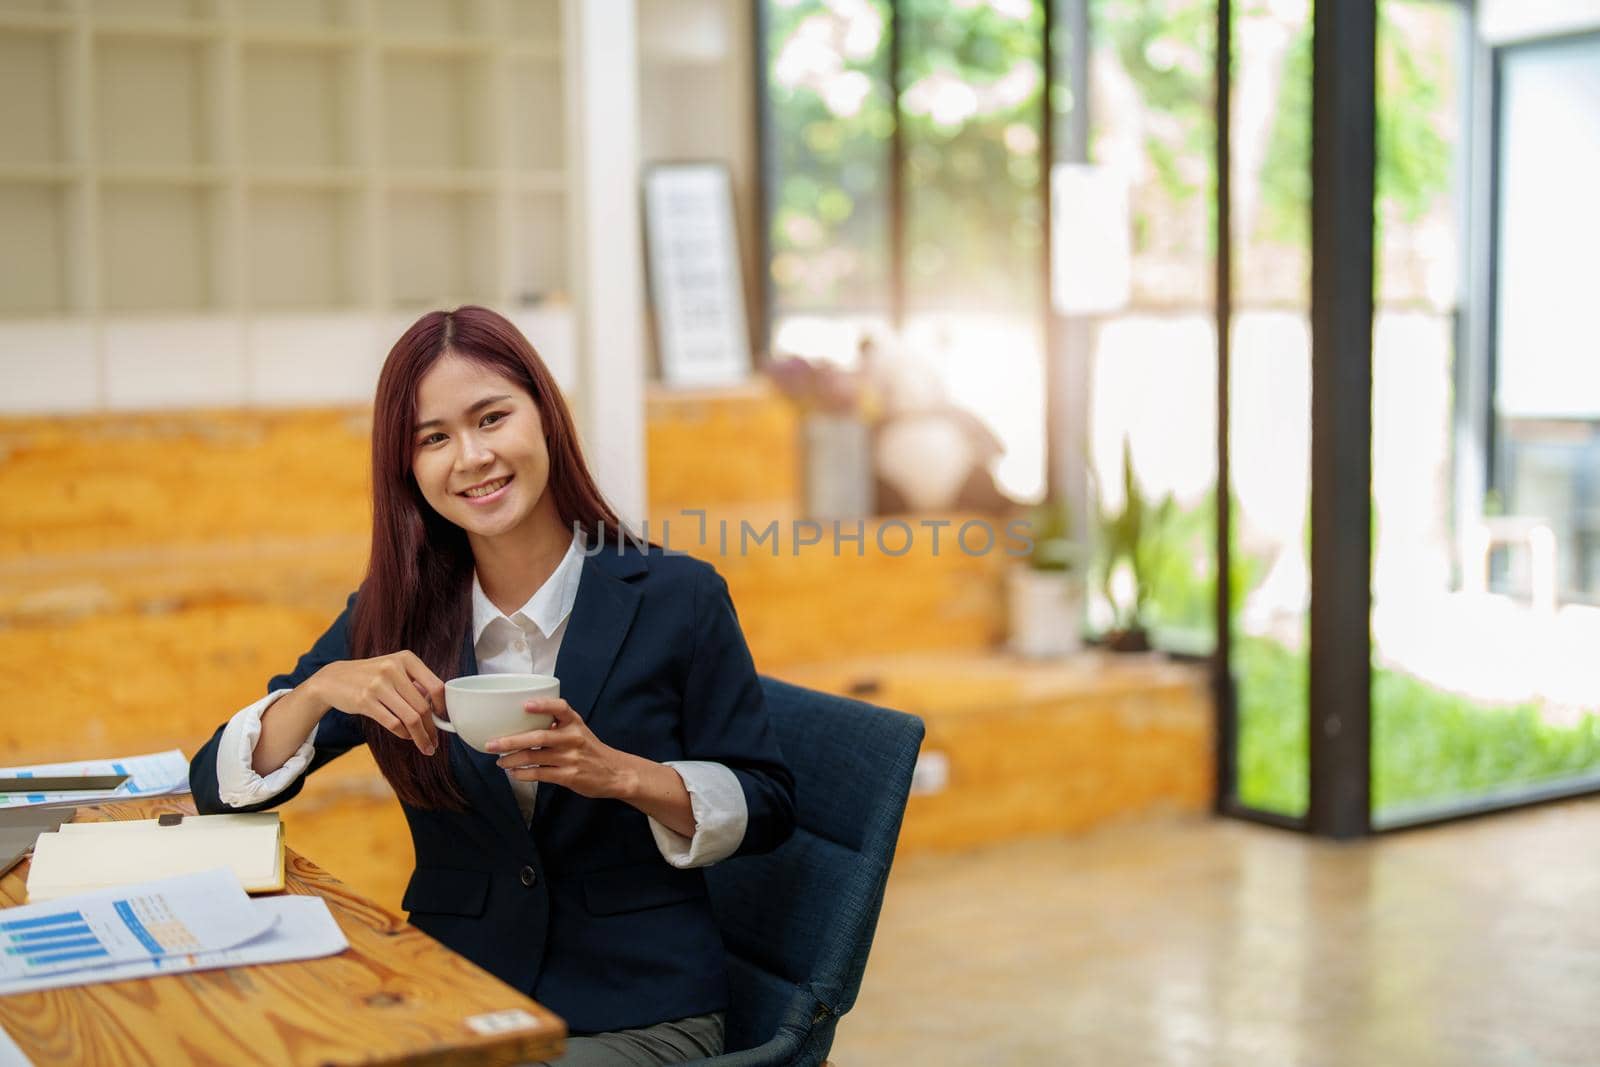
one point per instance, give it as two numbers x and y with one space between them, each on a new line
297 106
476 48
193 32
535 21
436 113
33 250
151 103
537 108
31 68
181 177
542 51
157 248
422 19
441 248
39 173
441 181
306 178
38 18
304 249
539 255
541 181
163 11
295 16
35 8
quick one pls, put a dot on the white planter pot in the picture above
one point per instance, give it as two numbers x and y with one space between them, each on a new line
1046 612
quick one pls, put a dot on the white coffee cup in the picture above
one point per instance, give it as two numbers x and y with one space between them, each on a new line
486 706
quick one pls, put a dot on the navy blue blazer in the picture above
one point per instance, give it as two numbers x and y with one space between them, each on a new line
580 911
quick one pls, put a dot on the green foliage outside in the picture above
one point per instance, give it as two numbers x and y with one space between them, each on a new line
1413 156
1167 49
973 170
829 216
973 212
1427 746
972 162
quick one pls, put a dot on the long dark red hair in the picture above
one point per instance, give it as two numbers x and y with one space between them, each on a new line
417 594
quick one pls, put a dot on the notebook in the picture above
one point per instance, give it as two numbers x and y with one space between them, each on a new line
80 857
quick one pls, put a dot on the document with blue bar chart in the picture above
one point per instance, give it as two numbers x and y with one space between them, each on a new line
173 916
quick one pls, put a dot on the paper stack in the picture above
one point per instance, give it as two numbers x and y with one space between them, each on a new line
189 923
155 774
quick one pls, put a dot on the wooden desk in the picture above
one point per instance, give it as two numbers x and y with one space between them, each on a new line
395 996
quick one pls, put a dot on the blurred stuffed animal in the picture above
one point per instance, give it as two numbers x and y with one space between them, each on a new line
928 454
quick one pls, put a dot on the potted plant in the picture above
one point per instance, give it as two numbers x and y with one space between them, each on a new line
1130 543
1045 592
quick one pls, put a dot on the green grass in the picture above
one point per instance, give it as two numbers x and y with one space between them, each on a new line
1427 746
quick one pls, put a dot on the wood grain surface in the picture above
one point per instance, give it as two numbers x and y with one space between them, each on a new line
395 996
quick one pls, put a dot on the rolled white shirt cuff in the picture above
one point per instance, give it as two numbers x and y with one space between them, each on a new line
720 816
238 784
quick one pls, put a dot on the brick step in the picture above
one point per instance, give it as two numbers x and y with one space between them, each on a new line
115 483
825 601
129 681
725 449
1017 748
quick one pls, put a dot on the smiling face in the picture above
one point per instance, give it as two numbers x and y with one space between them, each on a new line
479 453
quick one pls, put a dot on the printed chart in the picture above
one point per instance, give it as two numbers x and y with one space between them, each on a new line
175 916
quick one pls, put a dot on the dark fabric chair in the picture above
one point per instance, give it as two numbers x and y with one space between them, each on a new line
798 923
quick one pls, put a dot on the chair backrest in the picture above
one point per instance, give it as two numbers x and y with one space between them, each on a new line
798 922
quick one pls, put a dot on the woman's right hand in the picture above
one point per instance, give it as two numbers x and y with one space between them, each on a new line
397 691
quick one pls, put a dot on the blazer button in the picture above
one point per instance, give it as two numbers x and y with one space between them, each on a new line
529 877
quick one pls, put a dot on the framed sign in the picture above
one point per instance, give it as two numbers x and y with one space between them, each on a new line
696 286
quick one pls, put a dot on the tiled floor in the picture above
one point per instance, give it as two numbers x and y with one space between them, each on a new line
1217 942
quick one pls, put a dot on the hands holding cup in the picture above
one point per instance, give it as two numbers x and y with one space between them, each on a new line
565 753
538 737
486 706
397 691
519 717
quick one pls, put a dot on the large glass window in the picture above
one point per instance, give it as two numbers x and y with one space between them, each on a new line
1547 389
969 109
828 122
1481 685
1142 288
1483 610
1269 444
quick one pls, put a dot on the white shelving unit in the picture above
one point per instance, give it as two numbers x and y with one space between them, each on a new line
256 195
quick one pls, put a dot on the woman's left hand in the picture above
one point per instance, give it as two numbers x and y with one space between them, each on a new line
566 754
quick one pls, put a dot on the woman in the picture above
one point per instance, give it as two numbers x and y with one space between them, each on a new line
567 863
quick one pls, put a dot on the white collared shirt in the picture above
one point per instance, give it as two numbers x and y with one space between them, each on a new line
525 642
